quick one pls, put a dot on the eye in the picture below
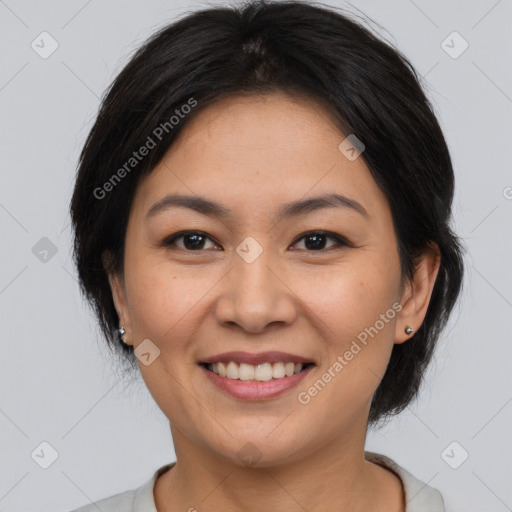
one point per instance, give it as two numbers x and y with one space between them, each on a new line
192 240
316 240
197 240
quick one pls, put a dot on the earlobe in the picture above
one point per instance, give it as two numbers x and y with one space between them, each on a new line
118 291
417 293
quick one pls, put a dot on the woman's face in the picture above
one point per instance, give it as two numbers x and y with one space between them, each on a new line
253 281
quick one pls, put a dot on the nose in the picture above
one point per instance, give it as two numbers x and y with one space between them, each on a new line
254 296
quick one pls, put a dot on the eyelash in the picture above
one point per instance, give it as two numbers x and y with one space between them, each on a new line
340 241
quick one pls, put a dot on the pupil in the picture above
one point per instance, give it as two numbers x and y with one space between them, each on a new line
197 241
319 241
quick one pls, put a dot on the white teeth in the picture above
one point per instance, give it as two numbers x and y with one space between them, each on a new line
246 372
261 372
232 370
221 369
278 370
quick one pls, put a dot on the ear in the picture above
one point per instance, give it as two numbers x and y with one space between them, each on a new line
417 292
117 288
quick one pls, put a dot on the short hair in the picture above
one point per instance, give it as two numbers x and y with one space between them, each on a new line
258 47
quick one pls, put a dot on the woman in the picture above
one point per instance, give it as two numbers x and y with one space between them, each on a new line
262 223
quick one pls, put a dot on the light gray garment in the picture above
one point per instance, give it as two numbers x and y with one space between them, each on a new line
419 497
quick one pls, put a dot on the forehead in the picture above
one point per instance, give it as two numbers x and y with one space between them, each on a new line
256 152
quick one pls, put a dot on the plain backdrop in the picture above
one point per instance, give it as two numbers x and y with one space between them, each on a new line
57 383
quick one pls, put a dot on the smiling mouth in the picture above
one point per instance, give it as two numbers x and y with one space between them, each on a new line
262 372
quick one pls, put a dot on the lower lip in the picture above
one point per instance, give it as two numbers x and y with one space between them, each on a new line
253 389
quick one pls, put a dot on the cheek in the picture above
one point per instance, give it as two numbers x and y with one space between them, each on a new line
349 297
352 307
162 296
161 303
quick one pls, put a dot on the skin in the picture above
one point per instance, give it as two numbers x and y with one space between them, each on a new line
252 154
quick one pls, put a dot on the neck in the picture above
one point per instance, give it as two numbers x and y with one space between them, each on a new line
335 471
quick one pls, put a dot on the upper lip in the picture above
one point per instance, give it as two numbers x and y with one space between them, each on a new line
255 359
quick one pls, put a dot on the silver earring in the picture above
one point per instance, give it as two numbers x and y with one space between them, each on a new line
409 330
121 332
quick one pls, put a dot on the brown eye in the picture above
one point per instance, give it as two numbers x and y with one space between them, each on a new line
191 241
317 240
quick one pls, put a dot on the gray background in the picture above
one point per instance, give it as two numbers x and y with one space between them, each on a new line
57 383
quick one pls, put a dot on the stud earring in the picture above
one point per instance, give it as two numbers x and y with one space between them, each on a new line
409 330
121 332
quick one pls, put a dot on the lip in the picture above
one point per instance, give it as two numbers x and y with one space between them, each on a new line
255 390
255 359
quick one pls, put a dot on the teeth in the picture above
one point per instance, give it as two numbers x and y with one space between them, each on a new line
246 372
278 370
232 370
261 372
221 369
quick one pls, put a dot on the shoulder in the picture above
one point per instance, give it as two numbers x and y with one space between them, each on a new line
140 499
122 501
419 497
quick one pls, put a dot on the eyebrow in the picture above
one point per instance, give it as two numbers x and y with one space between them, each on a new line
214 209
